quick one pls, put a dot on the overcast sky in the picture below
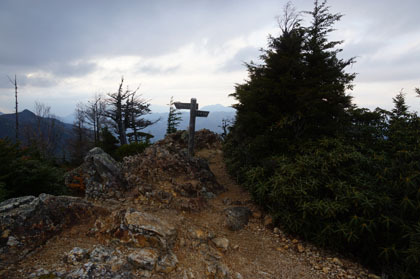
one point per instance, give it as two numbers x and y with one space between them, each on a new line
64 52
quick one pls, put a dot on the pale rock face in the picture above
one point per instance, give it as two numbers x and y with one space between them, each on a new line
76 255
221 242
28 222
167 263
97 271
149 225
100 174
100 254
144 258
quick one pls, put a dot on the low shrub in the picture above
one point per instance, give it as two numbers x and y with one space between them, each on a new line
348 199
130 149
23 173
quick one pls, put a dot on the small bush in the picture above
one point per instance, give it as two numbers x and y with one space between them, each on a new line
23 173
352 200
130 149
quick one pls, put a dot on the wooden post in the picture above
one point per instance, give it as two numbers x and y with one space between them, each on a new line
192 128
194 112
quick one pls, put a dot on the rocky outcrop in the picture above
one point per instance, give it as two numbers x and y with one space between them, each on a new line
28 222
163 173
99 262
148 242
137 229
111 263
100 176
146 236
166 174
202 139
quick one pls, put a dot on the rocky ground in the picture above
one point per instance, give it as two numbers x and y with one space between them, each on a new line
176 219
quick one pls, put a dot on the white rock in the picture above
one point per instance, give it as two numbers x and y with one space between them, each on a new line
144 258
221 242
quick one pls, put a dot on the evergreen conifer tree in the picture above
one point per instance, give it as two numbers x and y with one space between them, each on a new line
174 118
266 110
298 93
324 101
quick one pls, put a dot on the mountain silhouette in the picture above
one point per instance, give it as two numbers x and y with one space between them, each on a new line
32 126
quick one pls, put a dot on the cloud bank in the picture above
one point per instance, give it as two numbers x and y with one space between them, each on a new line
63 52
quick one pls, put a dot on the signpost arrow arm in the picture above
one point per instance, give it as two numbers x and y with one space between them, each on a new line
194 112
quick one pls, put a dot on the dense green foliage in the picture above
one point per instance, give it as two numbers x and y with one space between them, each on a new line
174 118
341 176
24 172
130 149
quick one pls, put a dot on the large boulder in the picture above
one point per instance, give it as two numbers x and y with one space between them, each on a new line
137 229
149 239
28 222
99 175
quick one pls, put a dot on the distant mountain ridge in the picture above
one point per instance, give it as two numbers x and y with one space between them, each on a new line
213 122
28 126
218 108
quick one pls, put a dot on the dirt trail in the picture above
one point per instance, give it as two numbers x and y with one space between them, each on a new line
261 253
253 252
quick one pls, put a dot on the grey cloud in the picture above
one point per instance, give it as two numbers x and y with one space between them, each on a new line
153 69
23 80
49 35
58 31
374 66
244 55
38 81
72 69
54 73
399 68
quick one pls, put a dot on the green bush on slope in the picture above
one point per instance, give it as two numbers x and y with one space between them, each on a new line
130 149
23 173
341 176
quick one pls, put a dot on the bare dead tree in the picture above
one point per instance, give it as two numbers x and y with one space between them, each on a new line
80 144
115 111
226 126
14 82
94 112
290 18
46 133
124 109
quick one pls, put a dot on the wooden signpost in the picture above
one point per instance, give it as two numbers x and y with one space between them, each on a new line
194 112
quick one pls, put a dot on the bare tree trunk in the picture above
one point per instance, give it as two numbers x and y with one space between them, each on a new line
16 110
124 110
14 82
47 136
133 119
119 116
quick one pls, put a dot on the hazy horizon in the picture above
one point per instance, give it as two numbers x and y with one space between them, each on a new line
65 52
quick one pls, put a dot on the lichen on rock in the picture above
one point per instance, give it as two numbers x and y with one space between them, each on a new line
100 176
28 222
